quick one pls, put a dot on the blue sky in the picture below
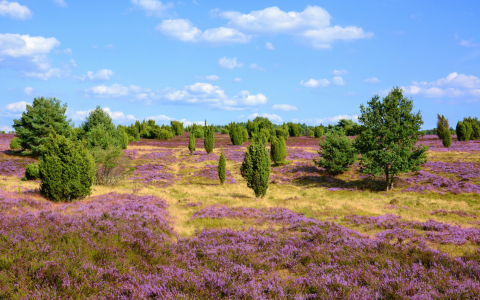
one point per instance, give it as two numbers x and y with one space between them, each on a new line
300 61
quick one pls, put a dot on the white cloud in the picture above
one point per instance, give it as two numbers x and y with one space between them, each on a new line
50 73
329 120
313 83
256 67
73 63
15 10
60 2
323 38
117 116
454 85
28 90
6 128
67 51
17 107
469 43
165 119
338 80
284 107
100 91
339 72
237 79
272 117
372 80
152 7
269 46
109 47
229 63
101 75
208 78
184 30
245 98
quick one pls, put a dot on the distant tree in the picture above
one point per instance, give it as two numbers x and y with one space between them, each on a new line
387 143
447 139
461 131
96 117
294 129
337 153
319 131
209 141
442 126
123 138
266 133
278 151
245 134
236 134
39 120
103 136
255 168
222 168
177 127
468 130
191 142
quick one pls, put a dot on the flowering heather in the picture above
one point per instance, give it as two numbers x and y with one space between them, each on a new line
153 173
464 170
203 156
435 144
433 182
14 167
211 172
296 153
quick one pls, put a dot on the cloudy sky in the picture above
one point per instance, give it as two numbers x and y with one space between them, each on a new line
301 61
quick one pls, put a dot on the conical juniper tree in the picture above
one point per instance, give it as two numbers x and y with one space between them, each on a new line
447 139
461 131
191 142
255 168
278 150
209 140
222 168
391 130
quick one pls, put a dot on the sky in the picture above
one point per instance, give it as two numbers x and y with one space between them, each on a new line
301 61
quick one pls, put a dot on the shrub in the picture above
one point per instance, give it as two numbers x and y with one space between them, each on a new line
245 134
31 172
177 127
319 131
111 166
66 169
461 131
280 132
222 168
266 133
468 130
442 126
295 129
103 136
161 134
225 131
475 132
278 150
447 139
337 153
236 135
209 141
199 133
255 168
39 120
15 144
123 139
191 142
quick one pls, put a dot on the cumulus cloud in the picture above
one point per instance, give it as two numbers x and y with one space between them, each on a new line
152 7
313 83
338 80
469 43
329 120
101 91
454 85
117 116
269 46
339 72
372 80
245 98
237 80
50 73
17 107
284 107
100 75
28 90
185 31
229 63
15 10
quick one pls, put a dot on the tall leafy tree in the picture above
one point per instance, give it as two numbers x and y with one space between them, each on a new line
387 143
255 168
39 120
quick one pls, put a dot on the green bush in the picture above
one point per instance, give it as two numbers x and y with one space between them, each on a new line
266 133
222 168
245 134
225 131
280 132
111 166
475 131
191 142
123 138
15 144
160 134
255 168
177 127
319 131
295 129
209 141
236 134
461 131
31 172
447 139
103 136
468 130
199 133
278 150
337 153
66 169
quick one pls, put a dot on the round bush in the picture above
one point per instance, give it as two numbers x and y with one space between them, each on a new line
337 152
199 133
31 172
66 169
15 144
225 131
461 131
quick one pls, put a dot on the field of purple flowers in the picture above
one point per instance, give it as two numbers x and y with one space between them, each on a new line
314 236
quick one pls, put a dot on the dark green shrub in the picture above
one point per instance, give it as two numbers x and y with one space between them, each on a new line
222 168
294 129
66 169
225 131
461 131
177 127
447 139
255 168
15 144
236 134
39 120
111 166
199 133
209 141
319 131
475 131
191 142
442 126
266 133
161 134
278 150
123 138
468 130
245 134
280 132
31 172
337 153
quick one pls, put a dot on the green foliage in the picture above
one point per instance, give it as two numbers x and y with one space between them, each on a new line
236 134
280 132
225 131
209 141
191 142
468 130
391 130
255 168
222 168
337 153
123 138
103 136
442 126
278 150
96 117
199 133
15 144
475 124
245 134
39 120
177 127
66 169
160 134
266 133
111 165
319 131
447 139
461 131
294 129
31 172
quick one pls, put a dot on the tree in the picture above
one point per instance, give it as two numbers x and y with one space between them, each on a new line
96 117
461 131
222 168
245 134
278 150
255 168
66 169
31 172
468 130
442 126
209 141
103 136
123 138
294 129
337 153
177 127
447 139
236 135
38 121
319 131
390 132
191 142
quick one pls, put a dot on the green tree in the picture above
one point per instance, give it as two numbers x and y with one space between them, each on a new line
66 169
387 143
191 142
245 135
278 150
461 131
236 135
38 121
96 117
177 127
319 131
255 168
222 168
442 126
15 144
123 138
103 136
468 130
337 153
294 129
447 139
209 141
